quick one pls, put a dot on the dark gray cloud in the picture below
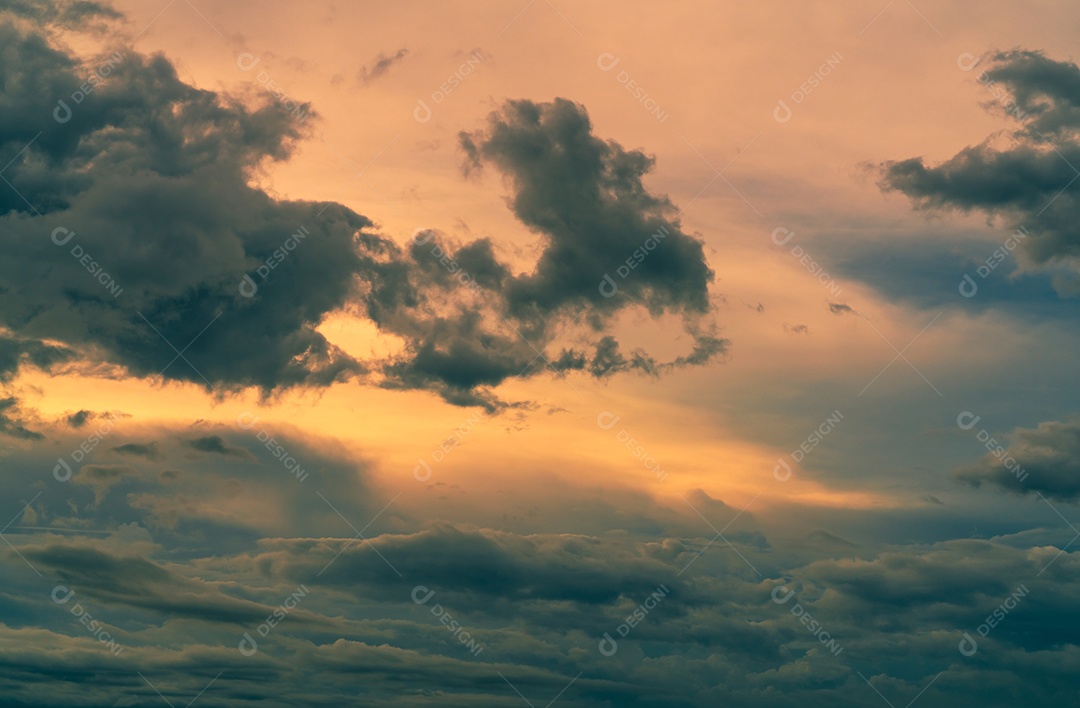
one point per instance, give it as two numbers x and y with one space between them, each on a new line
136 582
586 198
159 234
216 445
132 235
16 352
11 423
538 597
1028 181
149 450
63 13
1043 460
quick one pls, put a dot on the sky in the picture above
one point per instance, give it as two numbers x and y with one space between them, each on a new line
539 353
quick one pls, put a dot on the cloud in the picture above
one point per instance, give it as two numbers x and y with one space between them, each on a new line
1044 460
16 352
140 583
216 445
10 424
1024 181
101 477
598 226
586 198
133 236
144 251
381 65
150 450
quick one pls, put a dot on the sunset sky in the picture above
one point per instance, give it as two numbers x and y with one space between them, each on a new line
539 353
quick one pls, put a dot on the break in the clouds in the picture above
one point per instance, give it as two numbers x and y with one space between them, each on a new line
133 235
1026 177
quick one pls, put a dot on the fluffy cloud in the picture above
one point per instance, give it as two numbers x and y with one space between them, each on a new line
1026 179
1043 460
133 236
